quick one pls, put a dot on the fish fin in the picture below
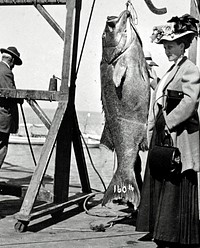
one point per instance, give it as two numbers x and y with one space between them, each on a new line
144 70
123 187
119 74
143 145
106 139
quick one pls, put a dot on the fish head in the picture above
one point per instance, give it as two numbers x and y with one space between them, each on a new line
117 32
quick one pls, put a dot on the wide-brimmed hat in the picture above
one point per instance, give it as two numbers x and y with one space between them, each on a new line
176 28
14 53
149 59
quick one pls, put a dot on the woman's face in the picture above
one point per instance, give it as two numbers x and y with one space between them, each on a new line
173 50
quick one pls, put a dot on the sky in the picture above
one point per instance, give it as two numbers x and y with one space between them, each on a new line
41 48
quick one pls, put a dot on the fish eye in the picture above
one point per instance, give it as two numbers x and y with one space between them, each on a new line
111 24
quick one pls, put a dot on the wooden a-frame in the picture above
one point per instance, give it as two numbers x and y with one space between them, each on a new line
64 129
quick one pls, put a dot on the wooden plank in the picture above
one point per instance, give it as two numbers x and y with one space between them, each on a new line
34 94
50 208
50 20
67 54
20 191
64 138
192 54
40 113
32 2
80 158
34 186
198 175
43 162
194 11
63 159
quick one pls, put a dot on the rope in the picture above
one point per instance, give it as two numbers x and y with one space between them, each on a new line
27 134
101 226
92 8
92 162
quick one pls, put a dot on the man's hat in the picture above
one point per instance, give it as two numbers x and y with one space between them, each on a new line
149 59
14 53
176 28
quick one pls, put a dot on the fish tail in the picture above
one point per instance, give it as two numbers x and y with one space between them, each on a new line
123 187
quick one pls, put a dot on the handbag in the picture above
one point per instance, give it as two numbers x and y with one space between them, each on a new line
165 160
173 99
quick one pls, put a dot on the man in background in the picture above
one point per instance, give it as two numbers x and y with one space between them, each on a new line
152 73
9 117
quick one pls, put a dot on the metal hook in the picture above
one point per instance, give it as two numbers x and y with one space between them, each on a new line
133 11
127 3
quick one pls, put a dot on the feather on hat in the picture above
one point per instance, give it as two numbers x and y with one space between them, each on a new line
176 28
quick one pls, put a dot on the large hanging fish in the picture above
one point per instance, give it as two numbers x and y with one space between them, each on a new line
125 98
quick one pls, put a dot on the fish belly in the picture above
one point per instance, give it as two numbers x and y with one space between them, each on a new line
126 136
124 131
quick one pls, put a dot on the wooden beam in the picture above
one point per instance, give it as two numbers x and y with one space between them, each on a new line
32 2
34 94
68 41
50 208
194 11
40 113
50 20
64 137
40 169
80 158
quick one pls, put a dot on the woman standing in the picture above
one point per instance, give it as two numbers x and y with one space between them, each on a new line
169 208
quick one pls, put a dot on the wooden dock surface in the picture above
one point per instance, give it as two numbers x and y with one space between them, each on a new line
73 229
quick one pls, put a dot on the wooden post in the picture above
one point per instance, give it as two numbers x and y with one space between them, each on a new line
69 130
63 129
195 12
192 55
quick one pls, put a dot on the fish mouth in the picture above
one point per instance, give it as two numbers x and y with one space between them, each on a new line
113 20
115 35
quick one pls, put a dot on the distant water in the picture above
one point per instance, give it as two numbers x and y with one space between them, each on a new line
19 157
89 122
